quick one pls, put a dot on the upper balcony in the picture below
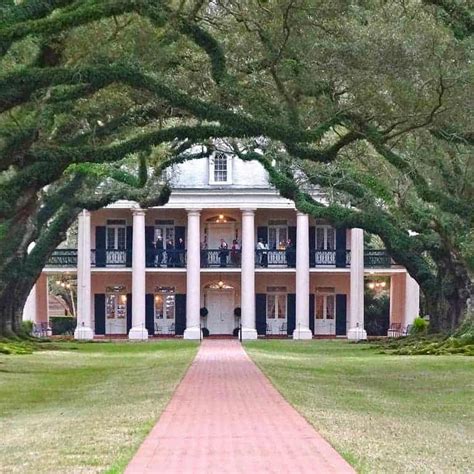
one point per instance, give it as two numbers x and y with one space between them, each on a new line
218 258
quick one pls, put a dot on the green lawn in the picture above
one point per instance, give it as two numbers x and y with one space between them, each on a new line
383 413
84 410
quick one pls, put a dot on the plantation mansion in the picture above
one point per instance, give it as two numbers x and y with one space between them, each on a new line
226 252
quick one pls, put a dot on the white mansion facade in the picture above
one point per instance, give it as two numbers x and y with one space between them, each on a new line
226 252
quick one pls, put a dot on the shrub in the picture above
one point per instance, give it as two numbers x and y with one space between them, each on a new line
27 327
420 326
62 325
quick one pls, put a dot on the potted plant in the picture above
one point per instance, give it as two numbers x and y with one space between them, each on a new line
203 312
238 311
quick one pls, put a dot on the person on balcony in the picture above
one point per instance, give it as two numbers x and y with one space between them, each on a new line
204 255
290 253
180 252
235 253
170 254
223 253
262 253
159 247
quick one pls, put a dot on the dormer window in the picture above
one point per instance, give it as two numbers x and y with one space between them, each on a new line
220 169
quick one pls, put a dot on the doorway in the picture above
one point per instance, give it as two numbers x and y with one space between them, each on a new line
220 305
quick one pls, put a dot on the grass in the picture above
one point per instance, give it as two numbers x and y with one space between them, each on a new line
383 413
86 407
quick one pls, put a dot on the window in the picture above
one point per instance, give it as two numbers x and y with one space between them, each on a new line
220 169
116 235
325 237
165 304
276 303
277 235
325 304
115 306
165 230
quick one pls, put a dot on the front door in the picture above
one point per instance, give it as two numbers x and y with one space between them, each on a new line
325 318
220 231
220 318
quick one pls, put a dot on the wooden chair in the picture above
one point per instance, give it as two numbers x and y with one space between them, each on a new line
283 329
158 328
407 330
268 329
172 329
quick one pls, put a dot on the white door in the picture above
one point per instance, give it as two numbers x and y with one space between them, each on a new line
325 317
276 313
115 313
220 304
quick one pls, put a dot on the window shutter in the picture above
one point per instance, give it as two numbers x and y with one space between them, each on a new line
292 235
100 246
291 312
150 314
262 233
261 313
129 312
99 313
311 312
128 261
341 315
180 232
341 247
180 314
149 245
312 246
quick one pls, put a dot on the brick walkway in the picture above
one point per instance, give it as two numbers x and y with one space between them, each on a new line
225 417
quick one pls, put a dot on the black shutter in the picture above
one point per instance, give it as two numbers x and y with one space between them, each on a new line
150 314
100 246
149 245
341 247
341 315
180 314
291 312
292 235
129 312
99 313
262 233
261 313
128 260
312 246
311 312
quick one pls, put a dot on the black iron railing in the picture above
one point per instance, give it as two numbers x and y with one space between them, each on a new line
212 258
63 258
275 258
165 258
377 258
111 258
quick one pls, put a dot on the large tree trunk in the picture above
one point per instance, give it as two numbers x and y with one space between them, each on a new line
12 301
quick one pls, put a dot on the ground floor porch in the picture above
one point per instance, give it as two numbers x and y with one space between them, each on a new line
165 311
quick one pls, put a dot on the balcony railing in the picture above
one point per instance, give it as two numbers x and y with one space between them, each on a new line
165 258
213 258
63 258
377 259
216 258
111 258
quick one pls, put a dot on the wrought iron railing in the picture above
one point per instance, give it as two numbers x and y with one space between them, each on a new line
111 258
166 258
377 258
222 258
63 258
275 258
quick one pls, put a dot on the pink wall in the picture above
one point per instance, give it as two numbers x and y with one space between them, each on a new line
397 298
169 279
42 299
100 281
341 282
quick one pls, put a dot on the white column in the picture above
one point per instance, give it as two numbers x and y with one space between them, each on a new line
138 331
356 306
248 275
193 276
412 300
302 330
84 329
29 310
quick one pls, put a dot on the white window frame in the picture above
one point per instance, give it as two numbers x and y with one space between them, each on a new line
324 296
212 178
278 227
115 225
325 232
279 292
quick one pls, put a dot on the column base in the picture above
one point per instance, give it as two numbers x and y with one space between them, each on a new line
193 334
302 334
138 333
357 334
249 334
83 333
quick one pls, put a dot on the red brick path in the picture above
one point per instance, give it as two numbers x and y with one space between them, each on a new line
225 417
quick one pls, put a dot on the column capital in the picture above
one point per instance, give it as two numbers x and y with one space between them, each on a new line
136 211
248 211
84 213
194 211
301 214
